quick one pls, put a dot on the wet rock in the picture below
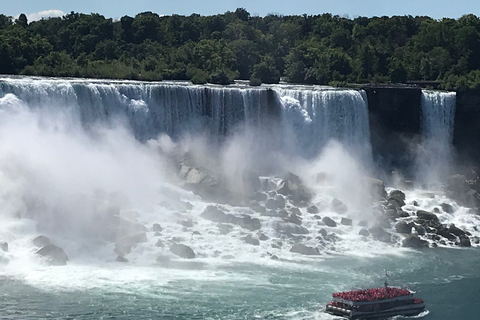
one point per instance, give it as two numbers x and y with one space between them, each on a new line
445 232
404 227
415 203
55 256
425 215
380 234
339 207
317 217
279 201
186 223
323 232
436 210
224 228
250 223
271 204
288 227
420 230
214 214
159 244
272 193
363 223
187 205
457 231
273 257
41 241
156 227
121 259
125 244
262 237
294 219
476 240
163 260
157 234
260 196
183 251
251 240
295 211
196 233
364 232
413 241
4 246
346 222
377 189
259 209
293 187
447 208
397 195
329 222
303 249
465 242
313 209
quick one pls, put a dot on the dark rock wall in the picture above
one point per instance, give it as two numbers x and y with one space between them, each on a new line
466 135
395 115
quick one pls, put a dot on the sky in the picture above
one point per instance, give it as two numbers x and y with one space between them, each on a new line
35 9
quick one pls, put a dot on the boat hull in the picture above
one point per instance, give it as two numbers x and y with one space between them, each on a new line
410 311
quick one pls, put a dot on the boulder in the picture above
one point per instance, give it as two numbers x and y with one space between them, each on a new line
413 241
260 196
163 260
41 241
465 242
447 208
251 240
377 189
364 232
293 187
121 259
55 256
329 222
436 210
457 231
186 223
339 207
313 209
4 246
323 232
249 223
262 237
420 230
288 227
425 215
156 227
214 214
296 211
397 195
404 227
380 234
279 201
303 249
293 218
125 244
346 222
183 251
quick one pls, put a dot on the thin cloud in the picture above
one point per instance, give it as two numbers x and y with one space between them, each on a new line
45 14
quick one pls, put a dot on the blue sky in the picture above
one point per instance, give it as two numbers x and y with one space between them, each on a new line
352 8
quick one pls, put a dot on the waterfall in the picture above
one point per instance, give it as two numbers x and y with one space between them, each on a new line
435 152
148 108
297 121
318 116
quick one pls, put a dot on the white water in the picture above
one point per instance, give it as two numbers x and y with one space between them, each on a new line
67 155
434 157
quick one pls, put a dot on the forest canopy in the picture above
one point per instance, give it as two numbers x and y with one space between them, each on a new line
313 49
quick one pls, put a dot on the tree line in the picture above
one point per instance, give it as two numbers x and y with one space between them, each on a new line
312 49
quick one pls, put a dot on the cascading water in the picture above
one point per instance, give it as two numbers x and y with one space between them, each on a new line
435 152
148 108
68 169
317 116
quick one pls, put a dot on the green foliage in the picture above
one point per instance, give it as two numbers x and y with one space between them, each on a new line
319 49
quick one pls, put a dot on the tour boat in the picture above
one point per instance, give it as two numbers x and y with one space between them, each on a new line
377 303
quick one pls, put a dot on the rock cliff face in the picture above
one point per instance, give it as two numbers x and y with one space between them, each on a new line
395 115
466 134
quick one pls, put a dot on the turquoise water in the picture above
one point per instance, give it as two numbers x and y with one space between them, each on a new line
447 279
